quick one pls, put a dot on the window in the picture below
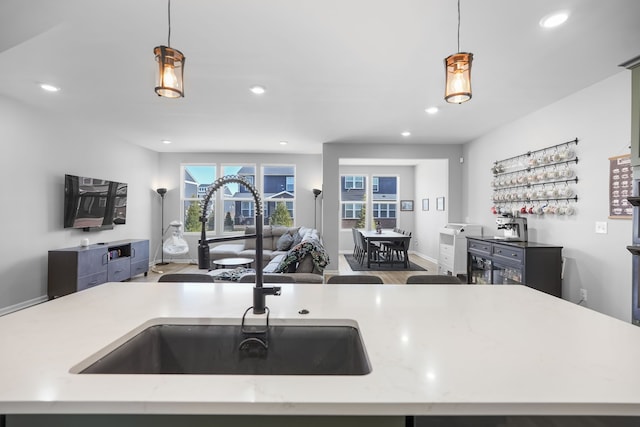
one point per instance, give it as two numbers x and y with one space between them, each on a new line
385 201
353 183
195 183
384 210
247 209
375 184
351 210
239 207
278 182
353 200
232 207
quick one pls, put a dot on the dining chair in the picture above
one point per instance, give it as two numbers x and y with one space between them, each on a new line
356 243
432 279
397 249
186 277
365 248
355 279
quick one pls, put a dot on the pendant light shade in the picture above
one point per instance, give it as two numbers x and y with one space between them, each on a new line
170 62
458 77
169 78
458 73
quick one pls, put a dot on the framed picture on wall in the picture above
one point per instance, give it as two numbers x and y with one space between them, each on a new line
440 203
425 204
406 205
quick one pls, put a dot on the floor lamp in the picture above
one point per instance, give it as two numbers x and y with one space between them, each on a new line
162 192
316 193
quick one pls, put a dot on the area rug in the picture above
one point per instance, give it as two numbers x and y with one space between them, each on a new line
356 266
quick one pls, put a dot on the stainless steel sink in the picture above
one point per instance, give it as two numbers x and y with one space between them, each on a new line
219 349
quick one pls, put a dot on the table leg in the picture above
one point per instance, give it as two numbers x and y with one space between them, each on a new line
368 253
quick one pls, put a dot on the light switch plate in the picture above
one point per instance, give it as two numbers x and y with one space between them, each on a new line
601 227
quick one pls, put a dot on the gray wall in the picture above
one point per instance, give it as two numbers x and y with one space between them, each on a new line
333 152
308 177
37 150
600 117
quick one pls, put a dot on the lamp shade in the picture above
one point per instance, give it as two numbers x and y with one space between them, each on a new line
169 82
458 73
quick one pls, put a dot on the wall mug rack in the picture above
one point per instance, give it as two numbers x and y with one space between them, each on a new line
539 182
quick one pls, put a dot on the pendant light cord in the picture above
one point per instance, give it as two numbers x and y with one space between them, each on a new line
458 25
169 15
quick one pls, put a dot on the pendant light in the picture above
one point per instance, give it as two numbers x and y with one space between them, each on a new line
169 78
458 73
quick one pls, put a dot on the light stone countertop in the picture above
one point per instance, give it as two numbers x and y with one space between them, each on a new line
434 350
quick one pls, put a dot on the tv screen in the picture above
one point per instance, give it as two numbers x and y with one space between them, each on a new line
91 203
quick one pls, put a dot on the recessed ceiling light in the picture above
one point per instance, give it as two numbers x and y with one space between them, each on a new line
166 141
49 88
283 142
431 110
554 20
258 90
406 133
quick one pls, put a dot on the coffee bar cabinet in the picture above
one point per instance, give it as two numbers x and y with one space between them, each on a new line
501 262
82 267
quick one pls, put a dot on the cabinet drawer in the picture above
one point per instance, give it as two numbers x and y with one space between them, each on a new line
446 260
139 268
508 252
479 246
446 250
92 280
119 269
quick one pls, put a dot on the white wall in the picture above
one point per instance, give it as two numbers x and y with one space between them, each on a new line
308 177
37 150
600 117
432 181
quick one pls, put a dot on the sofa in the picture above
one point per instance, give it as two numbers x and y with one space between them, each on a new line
294 251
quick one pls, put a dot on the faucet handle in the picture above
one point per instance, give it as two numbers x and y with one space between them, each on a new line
272 290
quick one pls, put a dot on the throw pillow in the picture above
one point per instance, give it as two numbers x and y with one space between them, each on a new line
297 238
284 242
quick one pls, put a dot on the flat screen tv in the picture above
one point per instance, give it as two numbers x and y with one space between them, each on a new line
94 204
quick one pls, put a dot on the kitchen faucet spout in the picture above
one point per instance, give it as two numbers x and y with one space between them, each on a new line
259 291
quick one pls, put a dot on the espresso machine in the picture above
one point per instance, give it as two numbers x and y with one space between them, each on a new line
514 228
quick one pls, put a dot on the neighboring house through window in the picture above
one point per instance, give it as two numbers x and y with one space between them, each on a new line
353 199
279 187
239 207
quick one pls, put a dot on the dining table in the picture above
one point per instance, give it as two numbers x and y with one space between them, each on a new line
393 237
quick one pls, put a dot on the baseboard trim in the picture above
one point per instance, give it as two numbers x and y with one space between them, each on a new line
23 305
423 256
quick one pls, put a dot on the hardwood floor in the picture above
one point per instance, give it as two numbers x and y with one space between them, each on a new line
389 277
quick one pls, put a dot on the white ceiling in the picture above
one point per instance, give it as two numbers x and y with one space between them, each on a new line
335 70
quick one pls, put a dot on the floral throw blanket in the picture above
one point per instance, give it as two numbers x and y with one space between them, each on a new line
308 247
235 274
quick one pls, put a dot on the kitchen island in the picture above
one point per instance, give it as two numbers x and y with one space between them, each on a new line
433 350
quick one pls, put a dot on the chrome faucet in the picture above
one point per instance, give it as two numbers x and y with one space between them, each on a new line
259 291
